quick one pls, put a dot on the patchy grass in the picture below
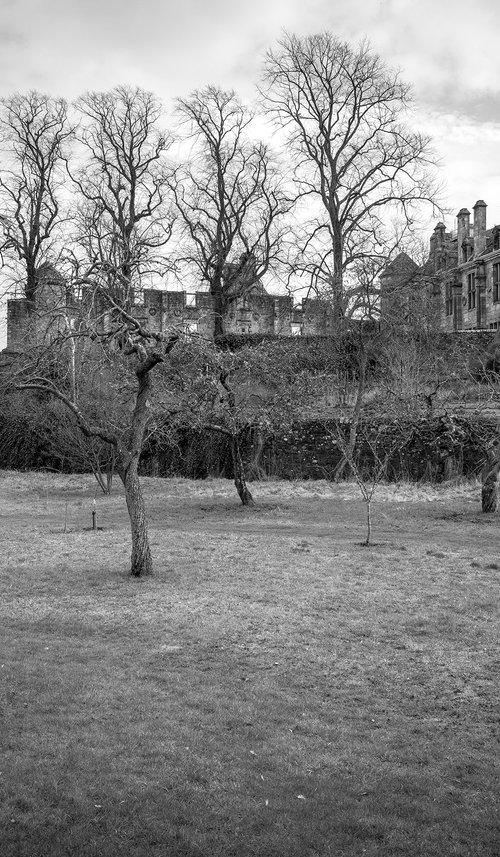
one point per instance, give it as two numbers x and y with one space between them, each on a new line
276 689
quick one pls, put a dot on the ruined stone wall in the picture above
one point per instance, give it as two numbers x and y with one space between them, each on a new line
18 326
254 313
28 324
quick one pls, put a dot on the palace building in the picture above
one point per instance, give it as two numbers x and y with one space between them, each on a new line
460 283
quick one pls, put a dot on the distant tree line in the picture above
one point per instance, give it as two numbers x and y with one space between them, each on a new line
117 194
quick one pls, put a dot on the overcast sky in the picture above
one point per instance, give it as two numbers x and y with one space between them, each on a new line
448 49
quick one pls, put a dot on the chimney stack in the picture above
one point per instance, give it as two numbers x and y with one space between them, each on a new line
479 228
463 228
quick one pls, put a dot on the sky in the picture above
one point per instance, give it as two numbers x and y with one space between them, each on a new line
447 49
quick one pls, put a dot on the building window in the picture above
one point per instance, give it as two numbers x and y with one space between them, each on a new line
471 291
190 299
296 329
493 325
496 282
448 300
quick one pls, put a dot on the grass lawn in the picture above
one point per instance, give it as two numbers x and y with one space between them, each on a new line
275 689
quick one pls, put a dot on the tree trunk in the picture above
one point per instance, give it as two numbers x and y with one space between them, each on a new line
31 284
239 474
337 280
219 305
368 523
255 469
218 320
110 469
128 466
489 479
356 416
142 562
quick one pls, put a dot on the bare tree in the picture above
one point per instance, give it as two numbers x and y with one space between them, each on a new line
128 347
229 198
480 395
378 442
124 217
123 226
357 164
34 131
233 393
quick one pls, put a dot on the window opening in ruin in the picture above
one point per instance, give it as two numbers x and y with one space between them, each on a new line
448 301
296 329
190 299
191 327
496 282
471 291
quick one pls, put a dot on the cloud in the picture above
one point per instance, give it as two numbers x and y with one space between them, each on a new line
468 151
446 48
449 50
8 38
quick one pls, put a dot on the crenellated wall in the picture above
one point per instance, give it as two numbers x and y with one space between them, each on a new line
160 310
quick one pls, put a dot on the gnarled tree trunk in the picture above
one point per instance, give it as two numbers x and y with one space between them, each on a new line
128 464
141 562
255 469
239 474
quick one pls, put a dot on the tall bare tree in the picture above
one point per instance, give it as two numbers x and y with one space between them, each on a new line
124 215
34 132
356 163
229 198
123 225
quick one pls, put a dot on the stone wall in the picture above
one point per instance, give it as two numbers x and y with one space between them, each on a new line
253 313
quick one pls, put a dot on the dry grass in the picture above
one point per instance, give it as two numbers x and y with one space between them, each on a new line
277 689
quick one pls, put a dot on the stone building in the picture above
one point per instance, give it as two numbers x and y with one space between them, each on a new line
252 311
50 314
459 286
467 263
457 289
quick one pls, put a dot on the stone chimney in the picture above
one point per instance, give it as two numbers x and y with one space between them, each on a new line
479 227
439 238
463 228
439 232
